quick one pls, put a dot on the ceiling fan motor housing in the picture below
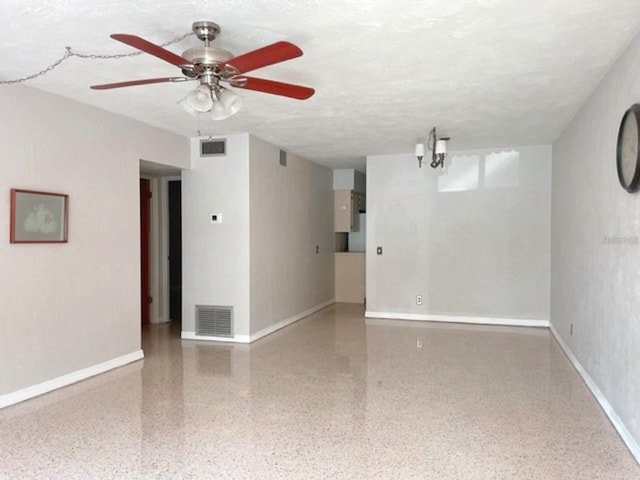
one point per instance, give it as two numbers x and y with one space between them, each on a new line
206 60
207 55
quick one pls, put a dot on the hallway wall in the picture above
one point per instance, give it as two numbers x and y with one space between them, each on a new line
595 249
215 257
261 259
67 307
291 213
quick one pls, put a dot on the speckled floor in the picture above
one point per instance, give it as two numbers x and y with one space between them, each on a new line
333 396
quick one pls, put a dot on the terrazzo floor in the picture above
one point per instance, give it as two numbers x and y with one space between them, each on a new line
333 396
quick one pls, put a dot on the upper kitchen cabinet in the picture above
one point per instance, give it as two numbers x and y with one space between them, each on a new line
346 210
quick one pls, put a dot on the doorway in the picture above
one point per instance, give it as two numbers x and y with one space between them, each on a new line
160 245
175 250
145 217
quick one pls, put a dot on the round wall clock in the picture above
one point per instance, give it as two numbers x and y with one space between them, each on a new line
628 150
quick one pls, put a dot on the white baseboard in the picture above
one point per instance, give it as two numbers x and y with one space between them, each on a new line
514 322
59 382
235 339
288 321
617 422
262 333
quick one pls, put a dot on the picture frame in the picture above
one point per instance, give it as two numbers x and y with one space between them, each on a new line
39 217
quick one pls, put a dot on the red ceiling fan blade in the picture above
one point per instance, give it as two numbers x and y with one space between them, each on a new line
107 86
269 55
148 47
275 88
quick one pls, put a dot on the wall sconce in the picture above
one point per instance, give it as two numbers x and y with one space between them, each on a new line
437 146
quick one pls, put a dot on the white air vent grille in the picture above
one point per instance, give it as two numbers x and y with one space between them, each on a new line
213 148
214 321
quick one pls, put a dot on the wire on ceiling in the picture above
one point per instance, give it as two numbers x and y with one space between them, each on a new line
69 52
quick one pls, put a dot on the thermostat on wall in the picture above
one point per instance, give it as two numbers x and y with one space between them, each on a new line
216 218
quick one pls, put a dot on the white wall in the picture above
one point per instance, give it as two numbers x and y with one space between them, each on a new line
595 285
349 179
473 241
67 307
291 213
261 259
215 257
343 179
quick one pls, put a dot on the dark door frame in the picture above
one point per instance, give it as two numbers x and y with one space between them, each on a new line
145 222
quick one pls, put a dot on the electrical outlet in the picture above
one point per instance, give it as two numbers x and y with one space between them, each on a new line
419 342
418 299
571 329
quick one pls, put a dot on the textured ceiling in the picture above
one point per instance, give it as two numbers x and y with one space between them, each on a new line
486 72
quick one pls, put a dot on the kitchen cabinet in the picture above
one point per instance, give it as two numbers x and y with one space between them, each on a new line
346 209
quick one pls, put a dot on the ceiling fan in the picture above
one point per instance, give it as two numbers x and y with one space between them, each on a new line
211 66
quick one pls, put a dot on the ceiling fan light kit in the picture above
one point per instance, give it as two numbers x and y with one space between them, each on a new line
231 101
198 100
211 66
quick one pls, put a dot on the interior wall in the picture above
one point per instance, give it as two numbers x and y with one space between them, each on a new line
595 246
67 307
215 256
472 240
291 214
343 179
349 179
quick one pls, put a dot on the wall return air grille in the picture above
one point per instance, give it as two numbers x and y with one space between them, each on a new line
213 148
214 321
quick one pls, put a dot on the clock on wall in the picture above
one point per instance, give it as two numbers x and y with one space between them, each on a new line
628 150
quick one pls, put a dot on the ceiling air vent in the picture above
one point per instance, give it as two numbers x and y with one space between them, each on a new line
213 148
283 158
214 321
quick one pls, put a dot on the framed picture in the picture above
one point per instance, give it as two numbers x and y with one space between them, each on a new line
38 217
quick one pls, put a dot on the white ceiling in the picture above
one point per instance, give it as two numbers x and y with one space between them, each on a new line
487 72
